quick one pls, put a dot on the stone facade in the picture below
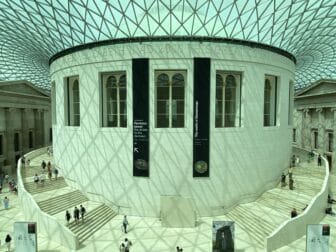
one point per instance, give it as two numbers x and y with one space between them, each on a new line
25 121
314 119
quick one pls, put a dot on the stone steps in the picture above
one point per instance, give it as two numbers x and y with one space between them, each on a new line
62 202
93 221
48 185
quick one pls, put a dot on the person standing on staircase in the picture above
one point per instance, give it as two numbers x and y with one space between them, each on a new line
76 215
319 160
43 165
82 212
67 217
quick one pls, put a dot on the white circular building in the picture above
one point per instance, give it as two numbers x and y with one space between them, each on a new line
206 120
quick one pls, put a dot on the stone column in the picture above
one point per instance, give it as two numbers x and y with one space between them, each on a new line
333 156
321 130
25 131
9 143
42 128
306 135
37 130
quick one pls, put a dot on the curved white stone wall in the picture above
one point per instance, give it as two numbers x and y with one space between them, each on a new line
245 161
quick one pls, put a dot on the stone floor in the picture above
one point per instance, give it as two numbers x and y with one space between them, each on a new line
148 235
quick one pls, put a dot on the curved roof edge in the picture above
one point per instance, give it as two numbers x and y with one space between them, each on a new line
168 38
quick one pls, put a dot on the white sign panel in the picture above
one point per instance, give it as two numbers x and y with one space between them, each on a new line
25 237
318 237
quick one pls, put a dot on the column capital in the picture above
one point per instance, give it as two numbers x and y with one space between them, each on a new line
319 110
333 109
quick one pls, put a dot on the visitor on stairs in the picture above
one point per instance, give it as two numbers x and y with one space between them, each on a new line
331 200
76 215
294 213
319 160
82 212
36 179
67 217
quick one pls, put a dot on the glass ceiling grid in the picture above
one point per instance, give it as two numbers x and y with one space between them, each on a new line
38 29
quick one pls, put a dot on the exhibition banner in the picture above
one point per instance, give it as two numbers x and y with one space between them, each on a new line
201 116
25 237
318 236
140 74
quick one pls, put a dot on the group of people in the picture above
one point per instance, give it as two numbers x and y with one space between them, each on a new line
42 178
78 213
12 186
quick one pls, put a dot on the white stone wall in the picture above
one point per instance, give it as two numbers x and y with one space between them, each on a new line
244 161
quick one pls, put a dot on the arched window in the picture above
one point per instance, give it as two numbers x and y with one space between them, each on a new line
170 89
114 99
227 99
270 100
76 104
230 101
72 101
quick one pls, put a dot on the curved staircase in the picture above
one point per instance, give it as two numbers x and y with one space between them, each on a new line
54 197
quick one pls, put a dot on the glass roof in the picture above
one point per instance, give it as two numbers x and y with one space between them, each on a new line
31 31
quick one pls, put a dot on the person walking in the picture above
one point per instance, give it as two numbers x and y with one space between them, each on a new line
125 224
8 240
319 160
128 245
76 215
82 212
67 217
43 165
6 202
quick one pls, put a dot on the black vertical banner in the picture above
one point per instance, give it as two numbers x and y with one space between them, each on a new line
201 133
140 73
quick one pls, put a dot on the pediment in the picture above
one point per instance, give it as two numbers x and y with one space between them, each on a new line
322 87
21 88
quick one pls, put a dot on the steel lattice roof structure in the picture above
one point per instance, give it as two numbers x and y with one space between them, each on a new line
32 31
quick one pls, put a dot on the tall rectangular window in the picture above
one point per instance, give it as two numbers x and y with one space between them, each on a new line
1 145
315 138
294 135
16 142
270 100
72 101
330 141
169 103
30 139
114 99
228 90
290 102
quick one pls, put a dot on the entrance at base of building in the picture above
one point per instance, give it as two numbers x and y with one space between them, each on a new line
329 158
